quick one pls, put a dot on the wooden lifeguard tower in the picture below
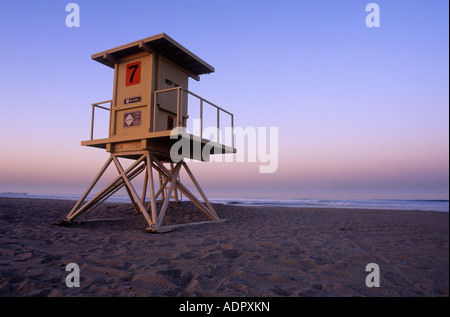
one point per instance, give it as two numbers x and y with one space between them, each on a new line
147 116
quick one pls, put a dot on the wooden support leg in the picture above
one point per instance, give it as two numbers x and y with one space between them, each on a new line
88 190
113 186
176 170
175 190
132 191
205 199
161 188
119 186
133 203
211 213
144 188
151 189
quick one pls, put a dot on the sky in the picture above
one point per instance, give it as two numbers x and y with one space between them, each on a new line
361 112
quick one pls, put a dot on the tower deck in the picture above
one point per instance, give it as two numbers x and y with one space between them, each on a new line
161 143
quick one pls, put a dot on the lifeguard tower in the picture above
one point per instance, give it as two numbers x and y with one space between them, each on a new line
148 114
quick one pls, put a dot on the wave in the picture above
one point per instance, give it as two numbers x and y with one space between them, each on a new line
394 204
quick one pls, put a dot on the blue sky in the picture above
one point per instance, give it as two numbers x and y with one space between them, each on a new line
361 112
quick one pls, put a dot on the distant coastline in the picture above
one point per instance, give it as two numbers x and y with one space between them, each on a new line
440 205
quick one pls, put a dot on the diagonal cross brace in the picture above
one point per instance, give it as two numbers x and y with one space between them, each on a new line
146 162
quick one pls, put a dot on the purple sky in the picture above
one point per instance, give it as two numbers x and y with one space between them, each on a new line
361 112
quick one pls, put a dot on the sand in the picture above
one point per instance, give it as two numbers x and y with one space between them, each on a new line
258 252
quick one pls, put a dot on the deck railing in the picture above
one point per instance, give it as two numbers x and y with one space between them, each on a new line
96 105
203 101
179 114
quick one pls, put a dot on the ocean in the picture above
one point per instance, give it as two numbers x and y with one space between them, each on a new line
441 205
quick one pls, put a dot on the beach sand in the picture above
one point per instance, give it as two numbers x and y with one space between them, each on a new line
259 251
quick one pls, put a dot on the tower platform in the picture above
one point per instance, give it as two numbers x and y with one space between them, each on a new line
160 143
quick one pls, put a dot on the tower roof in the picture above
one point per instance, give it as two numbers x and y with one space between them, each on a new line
160 44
